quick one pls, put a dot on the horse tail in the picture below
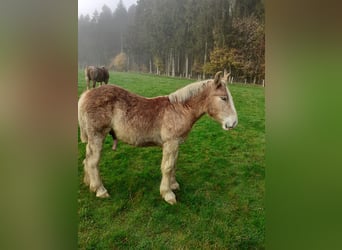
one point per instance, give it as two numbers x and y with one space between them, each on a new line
82 119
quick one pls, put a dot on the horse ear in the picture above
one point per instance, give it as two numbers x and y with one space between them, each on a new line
225 76
218 76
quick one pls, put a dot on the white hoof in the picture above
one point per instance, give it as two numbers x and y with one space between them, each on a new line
175 186
102 193
170 198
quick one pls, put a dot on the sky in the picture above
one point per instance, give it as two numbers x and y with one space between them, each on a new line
88 6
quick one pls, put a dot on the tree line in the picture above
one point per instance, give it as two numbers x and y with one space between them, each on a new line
188 38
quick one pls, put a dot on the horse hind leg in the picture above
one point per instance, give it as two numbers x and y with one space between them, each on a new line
91 166
86 178
83 135
88 83
82 123
87 79
115 140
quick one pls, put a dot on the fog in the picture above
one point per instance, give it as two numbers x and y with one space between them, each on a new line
89 6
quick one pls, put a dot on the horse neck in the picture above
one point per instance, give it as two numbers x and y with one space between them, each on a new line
198 105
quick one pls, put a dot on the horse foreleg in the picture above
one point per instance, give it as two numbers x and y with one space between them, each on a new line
91 171
174 184
170 153
94 83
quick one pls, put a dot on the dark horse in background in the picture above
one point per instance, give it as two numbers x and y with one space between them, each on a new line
96 74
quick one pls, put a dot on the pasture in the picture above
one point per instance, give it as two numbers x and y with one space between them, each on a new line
220 204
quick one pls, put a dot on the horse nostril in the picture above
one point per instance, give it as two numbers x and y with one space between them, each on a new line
232 126
229 125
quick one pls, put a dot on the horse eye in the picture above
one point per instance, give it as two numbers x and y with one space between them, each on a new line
224 98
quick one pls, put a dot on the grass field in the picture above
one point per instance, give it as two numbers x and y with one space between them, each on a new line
221 176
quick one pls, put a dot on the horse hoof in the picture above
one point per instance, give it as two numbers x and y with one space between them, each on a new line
102 193
175 186
171 202
170 198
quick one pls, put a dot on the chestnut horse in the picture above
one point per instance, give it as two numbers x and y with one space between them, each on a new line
161 121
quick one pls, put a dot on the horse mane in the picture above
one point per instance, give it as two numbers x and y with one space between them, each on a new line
185 93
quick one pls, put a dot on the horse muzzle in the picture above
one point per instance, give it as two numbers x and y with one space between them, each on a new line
228 124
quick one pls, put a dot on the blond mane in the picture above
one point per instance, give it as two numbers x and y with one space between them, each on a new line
185 93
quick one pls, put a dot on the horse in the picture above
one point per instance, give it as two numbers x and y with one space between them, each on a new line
96 74
163 121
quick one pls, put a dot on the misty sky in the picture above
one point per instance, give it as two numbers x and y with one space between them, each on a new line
88 6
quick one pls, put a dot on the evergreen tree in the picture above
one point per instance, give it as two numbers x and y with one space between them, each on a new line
178 37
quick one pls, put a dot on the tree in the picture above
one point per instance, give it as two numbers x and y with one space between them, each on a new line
179 37
223 58
119 62
249 38
120 23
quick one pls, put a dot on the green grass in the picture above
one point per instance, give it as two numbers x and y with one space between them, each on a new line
221 174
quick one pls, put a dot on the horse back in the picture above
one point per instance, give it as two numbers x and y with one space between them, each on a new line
136 120
98 74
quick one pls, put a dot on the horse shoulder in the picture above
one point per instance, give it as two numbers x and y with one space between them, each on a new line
176 123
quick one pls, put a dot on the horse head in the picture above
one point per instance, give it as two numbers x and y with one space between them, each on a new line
220 102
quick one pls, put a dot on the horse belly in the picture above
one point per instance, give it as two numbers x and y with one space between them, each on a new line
138 138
